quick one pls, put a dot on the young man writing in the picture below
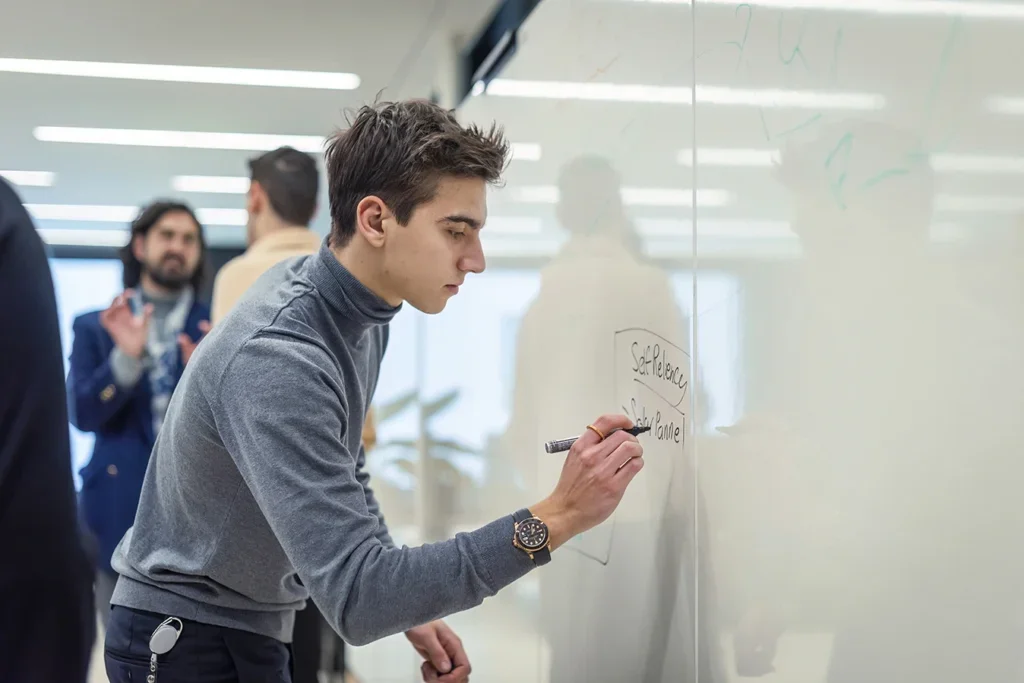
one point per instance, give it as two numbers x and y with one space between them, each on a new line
256 498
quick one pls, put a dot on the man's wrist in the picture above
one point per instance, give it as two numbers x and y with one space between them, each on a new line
126 369
557 519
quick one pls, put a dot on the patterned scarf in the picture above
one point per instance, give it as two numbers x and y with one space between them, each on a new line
162 352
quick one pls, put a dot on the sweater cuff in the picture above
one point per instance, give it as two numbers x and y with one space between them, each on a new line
126 370
501 561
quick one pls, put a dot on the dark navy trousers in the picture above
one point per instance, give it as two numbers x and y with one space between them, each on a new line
203 653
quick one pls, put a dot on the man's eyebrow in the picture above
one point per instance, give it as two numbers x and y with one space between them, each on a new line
459 218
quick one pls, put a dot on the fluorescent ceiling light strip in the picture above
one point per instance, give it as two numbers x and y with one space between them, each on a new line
30 178
178 138
917 8
766 158
705 94
222 216
188 139
739 228
71 237
711 156
1004 104
788 99
240 184
525 151
514 225
100 213
976 163
211 184
278 78
979 203
631 196
497 246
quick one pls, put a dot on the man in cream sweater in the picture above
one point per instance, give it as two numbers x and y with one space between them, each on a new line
281 202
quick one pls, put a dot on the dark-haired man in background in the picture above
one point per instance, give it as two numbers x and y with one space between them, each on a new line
281 203
126 361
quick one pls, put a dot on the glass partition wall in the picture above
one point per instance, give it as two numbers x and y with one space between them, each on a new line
784 235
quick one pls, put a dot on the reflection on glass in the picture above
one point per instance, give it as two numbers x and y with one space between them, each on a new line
793 234
862 522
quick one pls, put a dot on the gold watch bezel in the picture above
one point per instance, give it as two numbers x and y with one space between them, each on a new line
517 544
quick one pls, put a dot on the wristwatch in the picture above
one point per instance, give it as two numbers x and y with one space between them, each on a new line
531 536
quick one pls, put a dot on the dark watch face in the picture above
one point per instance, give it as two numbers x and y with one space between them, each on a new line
532 534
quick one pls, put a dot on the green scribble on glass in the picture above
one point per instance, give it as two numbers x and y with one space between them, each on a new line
741 45
800 126
789 131
945 57
764 124
884 175
797 51
922 155
834 75
840 152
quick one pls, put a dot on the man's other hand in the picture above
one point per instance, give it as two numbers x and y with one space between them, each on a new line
446 660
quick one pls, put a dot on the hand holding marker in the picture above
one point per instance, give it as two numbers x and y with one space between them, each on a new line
565 444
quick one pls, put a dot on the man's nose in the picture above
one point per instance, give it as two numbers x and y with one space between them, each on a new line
474 260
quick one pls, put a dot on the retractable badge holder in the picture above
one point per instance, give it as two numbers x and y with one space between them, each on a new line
161 642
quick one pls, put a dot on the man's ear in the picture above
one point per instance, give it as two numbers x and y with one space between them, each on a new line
371 212
254 198
138 244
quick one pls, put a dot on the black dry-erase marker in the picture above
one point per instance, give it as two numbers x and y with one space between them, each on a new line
566 444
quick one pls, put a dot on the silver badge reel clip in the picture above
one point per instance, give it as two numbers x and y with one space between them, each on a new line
161 642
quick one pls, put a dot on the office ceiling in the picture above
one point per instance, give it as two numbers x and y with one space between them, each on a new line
612 77
391 45
615 77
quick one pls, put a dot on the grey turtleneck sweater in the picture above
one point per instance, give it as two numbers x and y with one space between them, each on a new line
256 497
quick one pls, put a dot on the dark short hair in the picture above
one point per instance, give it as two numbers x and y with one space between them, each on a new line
399 151
149 216
291 181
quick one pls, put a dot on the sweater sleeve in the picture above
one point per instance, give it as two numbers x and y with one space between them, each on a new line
281 413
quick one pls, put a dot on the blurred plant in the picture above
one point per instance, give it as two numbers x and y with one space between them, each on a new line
444 453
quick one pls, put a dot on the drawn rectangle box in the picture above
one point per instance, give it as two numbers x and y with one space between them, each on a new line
652 382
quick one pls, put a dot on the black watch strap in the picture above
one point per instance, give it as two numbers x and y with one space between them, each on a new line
542 556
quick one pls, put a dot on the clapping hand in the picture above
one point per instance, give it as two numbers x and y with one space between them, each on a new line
128 330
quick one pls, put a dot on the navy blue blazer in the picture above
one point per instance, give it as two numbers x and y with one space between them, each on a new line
122 421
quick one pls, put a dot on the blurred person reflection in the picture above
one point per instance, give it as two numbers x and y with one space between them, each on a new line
47 623
126 361
602 282
900 532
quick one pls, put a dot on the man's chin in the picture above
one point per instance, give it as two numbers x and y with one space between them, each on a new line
172 282
431 307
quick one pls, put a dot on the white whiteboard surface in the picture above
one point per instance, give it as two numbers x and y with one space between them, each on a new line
852 172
